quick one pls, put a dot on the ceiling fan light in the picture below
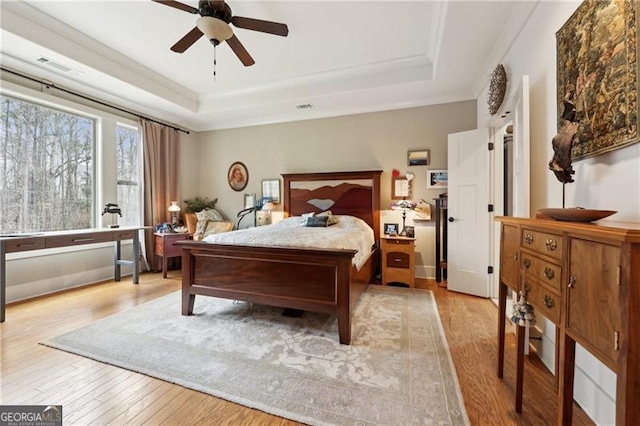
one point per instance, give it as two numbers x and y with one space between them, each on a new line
214 28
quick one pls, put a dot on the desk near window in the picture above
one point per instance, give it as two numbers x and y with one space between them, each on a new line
38 241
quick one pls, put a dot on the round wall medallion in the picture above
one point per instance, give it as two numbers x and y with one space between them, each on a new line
497 89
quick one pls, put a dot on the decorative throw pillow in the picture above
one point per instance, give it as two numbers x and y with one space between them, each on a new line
332 219
317 221
204 217
304 217
216 227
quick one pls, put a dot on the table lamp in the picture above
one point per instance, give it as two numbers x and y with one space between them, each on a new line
405 206
267 207
174 209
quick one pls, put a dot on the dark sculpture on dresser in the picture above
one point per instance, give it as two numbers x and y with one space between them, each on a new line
560 163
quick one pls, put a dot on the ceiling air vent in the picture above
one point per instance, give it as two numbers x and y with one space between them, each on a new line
54 64
304 106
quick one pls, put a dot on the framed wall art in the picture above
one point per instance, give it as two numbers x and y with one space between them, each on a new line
271 190
238 176
418 157
400 187
437 179
249 201
598 74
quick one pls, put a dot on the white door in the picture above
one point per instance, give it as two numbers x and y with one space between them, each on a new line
468 258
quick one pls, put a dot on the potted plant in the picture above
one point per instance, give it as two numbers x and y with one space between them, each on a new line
193 206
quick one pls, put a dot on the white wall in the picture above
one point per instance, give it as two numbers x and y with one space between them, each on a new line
356 142
610 181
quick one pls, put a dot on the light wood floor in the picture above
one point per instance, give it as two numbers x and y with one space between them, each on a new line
93 393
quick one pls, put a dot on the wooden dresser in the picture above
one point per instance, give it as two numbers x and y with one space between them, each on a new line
585 278
398 260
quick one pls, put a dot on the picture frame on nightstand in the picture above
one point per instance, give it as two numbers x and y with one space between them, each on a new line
391 229
410 231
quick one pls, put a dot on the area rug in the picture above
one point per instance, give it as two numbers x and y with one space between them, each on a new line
397 371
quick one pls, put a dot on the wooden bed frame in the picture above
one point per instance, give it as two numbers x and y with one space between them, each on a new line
317 280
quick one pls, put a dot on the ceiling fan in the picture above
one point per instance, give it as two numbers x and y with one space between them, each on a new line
214 20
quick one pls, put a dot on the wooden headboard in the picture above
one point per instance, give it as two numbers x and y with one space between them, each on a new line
344 193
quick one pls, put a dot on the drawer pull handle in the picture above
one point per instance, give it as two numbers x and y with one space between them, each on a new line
27 245
551 244
82 240
572 282
548 273
528 238
397 260
515 256
526 263
548 302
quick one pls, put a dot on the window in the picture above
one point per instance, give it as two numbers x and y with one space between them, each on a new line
46 168
128 162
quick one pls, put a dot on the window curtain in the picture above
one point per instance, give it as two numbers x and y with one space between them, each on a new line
161 160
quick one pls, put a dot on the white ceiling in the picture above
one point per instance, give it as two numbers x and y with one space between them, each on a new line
342 57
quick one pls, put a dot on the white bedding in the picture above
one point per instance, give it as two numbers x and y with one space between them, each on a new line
349 233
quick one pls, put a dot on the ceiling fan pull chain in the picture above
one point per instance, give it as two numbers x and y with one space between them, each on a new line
214 63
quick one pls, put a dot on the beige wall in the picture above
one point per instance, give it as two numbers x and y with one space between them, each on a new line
356 142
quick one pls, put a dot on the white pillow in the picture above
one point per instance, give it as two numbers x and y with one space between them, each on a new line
204 217
332 219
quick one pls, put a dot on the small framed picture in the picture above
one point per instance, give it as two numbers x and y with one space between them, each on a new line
391 229
238 176
437 179
400 188
271 190
419 157
410 231
249 201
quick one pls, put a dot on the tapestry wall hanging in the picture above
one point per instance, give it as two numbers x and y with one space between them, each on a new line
598 74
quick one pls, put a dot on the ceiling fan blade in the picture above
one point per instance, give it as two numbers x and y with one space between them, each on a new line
178 5
240 51
260 25
185 42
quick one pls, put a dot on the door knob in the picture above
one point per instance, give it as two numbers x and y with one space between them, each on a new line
451 219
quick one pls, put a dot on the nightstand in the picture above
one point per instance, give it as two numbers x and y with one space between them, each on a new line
164 247
398 260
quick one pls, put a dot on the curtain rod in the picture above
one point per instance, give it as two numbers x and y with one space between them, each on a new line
80 95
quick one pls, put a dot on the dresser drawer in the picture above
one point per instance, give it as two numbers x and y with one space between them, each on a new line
125 235
542 242
24 244
397 241
546 272
544 301
397 259
72 240
171 249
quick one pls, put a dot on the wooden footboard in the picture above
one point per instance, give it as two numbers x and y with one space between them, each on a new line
317 280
